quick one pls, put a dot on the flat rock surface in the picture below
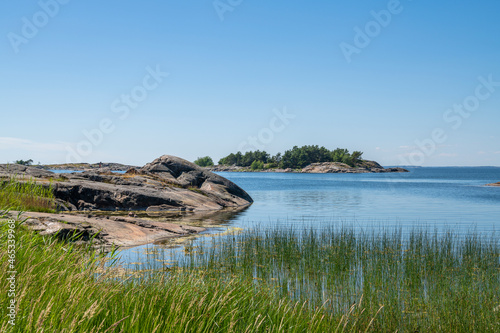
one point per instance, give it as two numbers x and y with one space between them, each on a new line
86 166
120 231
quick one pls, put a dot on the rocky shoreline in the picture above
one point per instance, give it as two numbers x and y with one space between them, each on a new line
105 231
364 166
326 167
86 166
167 185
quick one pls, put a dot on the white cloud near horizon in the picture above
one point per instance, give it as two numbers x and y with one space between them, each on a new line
29 145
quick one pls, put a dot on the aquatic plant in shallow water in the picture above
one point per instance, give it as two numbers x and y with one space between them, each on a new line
424 280
64 288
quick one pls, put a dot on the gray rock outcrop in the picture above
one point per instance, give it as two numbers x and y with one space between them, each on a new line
168 182
337 167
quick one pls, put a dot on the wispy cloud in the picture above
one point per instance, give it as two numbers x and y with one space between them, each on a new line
24 144
383 150
482 152
448 154
417 147
407 154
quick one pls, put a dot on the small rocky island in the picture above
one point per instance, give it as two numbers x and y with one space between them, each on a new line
168 184
493 184
305 159
364 166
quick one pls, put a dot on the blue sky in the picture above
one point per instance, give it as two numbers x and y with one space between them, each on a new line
211 77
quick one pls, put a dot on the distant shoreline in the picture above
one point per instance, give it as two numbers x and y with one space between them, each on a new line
325 167
222 168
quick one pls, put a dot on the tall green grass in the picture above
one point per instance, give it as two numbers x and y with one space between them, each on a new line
276 280
425 281
66 289
26 195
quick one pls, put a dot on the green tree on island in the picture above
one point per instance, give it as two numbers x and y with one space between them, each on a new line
246 159
257 165
295 158
22 162
204 161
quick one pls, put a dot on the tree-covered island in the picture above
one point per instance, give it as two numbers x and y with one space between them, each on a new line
309 158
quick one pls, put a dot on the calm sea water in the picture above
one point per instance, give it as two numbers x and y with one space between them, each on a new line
439 198
445 196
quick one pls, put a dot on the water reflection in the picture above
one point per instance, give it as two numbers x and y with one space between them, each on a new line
216 222
198 219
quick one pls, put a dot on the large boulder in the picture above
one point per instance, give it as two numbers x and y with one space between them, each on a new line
187 174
